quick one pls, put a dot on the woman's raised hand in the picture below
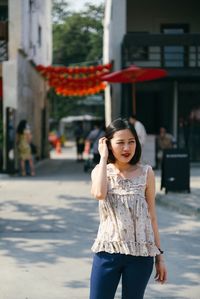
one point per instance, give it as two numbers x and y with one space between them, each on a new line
103 147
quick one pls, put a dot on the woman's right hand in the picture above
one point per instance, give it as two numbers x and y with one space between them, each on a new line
103 147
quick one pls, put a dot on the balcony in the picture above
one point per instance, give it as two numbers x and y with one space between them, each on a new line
179 53
3 41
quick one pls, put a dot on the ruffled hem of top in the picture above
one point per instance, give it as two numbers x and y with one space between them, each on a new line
132 248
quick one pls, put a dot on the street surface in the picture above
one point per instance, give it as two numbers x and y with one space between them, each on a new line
47 226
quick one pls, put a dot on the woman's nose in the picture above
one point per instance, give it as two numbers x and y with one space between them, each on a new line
126 146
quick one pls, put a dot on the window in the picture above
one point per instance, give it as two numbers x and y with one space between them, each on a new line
174 56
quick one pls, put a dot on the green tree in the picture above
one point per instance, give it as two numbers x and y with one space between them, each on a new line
77 38
61 106
60 11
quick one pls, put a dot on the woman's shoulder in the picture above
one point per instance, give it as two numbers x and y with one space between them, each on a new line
146 169
111 170
145 166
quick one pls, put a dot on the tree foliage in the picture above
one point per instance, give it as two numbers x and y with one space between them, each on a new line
61 106
60 11
77 36
77 40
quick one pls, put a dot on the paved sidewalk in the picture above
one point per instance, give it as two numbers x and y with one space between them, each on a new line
183 202
48 224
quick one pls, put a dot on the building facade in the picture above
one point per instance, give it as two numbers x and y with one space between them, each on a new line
157 34
25 41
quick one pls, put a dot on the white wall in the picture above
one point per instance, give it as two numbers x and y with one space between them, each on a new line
107 56
24 30
10 83
15 27
32 90
25 89
114 30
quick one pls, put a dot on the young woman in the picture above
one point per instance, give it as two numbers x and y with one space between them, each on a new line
128 240
24 148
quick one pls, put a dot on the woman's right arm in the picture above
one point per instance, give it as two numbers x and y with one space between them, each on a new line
99 173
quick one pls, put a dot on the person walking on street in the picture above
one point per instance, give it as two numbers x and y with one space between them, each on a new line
163 141
128 241
93 138
80 142
24 138
140 129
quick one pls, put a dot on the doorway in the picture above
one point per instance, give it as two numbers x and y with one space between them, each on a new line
154 110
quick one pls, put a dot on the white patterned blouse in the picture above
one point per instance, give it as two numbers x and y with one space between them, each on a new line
125 224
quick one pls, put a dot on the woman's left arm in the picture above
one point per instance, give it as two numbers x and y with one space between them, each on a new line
161 271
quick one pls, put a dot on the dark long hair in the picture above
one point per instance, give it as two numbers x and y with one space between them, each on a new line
118 125
21 126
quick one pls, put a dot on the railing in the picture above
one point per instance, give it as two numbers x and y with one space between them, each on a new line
3 41
161 50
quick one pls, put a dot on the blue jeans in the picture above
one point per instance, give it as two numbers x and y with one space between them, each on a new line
107 269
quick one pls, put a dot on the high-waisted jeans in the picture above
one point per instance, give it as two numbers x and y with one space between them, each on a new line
107 269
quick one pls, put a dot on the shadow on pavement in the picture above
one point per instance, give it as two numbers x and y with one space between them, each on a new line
181 243
56 169
50 233
63 225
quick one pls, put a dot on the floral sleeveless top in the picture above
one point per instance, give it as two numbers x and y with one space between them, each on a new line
125 224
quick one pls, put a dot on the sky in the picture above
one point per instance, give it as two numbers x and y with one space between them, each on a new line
79 4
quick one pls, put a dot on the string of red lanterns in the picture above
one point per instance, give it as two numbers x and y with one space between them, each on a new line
75 81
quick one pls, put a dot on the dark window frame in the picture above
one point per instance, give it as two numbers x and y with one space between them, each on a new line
138 53
186 29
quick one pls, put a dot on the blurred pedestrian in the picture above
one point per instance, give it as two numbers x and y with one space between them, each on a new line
182 131
24 138
163 141
139 127
128 239
93 137
80 142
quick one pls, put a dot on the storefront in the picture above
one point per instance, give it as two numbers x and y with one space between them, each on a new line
159 104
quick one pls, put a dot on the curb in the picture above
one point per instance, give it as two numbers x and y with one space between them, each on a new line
4 176
41 162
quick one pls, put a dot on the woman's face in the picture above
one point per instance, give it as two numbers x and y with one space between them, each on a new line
123 145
